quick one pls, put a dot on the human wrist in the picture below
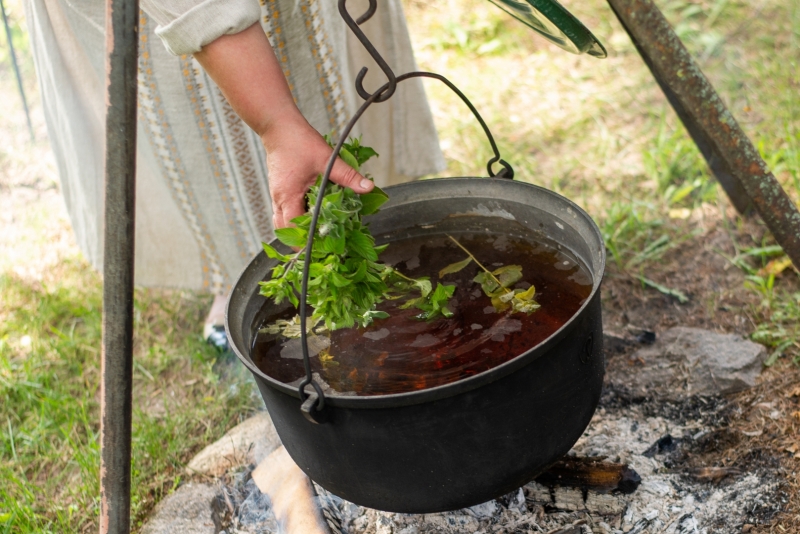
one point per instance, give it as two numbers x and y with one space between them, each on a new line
278 129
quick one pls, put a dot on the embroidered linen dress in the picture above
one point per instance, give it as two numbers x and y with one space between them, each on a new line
203 203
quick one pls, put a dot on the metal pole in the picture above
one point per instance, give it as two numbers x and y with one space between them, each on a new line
730 153
16 69
122 30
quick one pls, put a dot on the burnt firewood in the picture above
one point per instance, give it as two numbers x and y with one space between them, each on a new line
591 474
587 484
713 474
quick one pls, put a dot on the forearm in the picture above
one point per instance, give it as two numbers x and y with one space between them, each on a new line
245 68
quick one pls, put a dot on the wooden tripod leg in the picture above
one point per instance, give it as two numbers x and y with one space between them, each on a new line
730 154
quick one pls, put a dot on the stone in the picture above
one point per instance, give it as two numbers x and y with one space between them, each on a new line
689 361
245 444
192 509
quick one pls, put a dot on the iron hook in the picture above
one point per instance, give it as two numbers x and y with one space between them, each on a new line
386 92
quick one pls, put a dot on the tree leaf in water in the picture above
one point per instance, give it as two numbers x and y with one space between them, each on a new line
487 283
508 275
455 267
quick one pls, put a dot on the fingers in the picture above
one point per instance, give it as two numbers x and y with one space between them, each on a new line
290 179
346 176
284 213
293 209
277 219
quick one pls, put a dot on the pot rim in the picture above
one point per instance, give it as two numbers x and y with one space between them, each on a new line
460 386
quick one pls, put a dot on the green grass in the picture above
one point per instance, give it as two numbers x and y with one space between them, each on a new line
675 164
50 336
779 307
781 332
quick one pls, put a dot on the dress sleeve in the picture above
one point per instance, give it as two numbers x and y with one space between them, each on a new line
186 26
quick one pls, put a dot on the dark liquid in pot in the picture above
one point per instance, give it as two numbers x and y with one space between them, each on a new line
402 354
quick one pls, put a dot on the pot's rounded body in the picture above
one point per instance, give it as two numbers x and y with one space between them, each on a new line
466 442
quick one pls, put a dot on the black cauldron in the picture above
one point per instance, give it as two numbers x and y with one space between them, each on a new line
466 442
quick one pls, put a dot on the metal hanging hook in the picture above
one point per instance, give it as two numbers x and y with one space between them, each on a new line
386 92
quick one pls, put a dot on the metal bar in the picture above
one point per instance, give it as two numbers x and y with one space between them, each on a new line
13 55
731 155
370 48
122 29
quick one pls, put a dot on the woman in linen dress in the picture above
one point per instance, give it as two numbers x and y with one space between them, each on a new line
206 195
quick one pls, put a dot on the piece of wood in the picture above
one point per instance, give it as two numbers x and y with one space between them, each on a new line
591 474
293 500
584 484
714 474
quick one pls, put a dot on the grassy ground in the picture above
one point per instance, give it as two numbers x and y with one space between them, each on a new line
598 131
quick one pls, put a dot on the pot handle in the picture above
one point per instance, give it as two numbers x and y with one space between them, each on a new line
313 403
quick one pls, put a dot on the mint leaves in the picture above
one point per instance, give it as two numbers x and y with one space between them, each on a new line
346 282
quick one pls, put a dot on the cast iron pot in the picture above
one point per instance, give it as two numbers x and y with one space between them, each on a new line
466 442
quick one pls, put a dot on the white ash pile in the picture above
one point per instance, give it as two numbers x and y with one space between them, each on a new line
670 499
248 510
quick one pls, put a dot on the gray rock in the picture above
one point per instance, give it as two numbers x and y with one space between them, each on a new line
245 444
689 361
193 509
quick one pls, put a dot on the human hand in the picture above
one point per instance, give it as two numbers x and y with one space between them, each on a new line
296 155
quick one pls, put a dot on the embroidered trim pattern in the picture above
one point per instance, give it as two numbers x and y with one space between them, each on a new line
202 100
153 116
271 22
245 166
330 76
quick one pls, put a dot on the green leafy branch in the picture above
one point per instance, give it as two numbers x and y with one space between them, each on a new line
346 281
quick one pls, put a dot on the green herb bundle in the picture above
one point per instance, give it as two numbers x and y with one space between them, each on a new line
346 281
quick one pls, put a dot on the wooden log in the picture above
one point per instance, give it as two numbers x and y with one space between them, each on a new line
584 484
592 474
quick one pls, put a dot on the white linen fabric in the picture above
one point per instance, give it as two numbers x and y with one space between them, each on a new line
202 195
186 26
